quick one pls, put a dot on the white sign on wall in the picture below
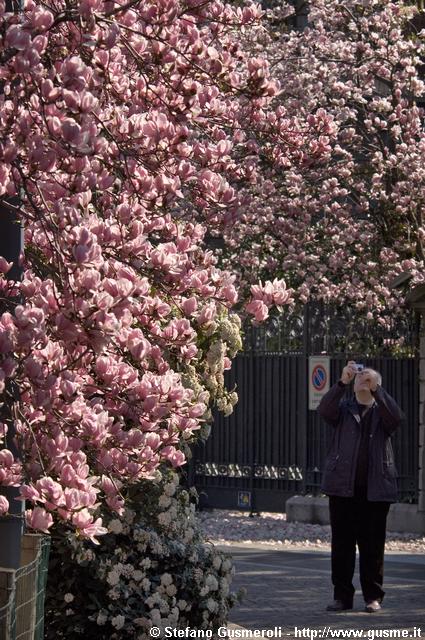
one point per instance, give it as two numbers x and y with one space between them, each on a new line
318 379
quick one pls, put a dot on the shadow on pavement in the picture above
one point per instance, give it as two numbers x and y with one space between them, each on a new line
289 589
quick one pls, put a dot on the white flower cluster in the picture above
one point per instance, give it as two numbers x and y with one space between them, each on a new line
215 358
155 570
227 402
226 346
230 333
220 343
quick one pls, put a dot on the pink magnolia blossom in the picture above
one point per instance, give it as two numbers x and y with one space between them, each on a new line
190 305
127 157
4 505
339 221
258 309
266 296
207 314
5 266
10 470
42 19
39 519
177 458
87 527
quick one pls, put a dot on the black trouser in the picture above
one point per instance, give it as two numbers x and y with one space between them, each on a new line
357 521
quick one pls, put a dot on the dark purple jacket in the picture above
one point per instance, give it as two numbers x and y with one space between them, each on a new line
341 461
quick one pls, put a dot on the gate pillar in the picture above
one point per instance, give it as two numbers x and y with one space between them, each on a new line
416 299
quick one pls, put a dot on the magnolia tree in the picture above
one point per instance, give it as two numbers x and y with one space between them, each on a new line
342 227
128 129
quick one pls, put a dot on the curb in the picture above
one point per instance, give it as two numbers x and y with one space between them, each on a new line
271 546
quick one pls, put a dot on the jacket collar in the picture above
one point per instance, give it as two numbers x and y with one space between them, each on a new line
354 409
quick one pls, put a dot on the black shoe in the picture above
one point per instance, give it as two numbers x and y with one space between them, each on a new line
339 605
373 606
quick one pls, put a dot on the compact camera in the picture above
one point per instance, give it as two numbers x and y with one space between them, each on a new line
359 367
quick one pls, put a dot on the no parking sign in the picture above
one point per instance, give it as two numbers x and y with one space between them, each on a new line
318 379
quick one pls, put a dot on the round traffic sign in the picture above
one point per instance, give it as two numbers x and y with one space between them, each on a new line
319 377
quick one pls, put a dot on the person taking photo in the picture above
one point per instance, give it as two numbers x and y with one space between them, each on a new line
360 480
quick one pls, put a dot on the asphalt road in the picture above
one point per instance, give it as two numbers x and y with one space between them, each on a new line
290 589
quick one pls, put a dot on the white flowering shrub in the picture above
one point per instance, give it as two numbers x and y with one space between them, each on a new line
153 568
217 345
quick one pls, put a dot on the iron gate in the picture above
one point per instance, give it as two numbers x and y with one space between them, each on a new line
272 446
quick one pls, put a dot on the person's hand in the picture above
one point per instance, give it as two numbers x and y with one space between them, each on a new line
348 372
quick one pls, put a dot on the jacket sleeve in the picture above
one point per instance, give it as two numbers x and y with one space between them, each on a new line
329 407
391 414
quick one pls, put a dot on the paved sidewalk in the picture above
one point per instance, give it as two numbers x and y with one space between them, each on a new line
288 589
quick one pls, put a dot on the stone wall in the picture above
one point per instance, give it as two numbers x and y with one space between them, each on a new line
402 518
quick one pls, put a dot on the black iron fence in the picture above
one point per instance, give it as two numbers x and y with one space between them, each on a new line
273 446
317 329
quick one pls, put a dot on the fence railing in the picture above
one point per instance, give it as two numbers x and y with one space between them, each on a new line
22 592
317 329
273 446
